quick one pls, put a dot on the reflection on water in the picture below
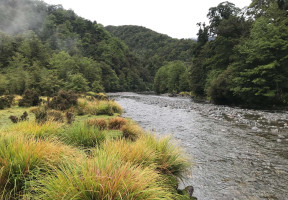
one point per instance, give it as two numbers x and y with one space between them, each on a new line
231 162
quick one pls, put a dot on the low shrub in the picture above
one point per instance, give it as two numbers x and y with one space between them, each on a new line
15 119
63 100
22 158
104 177
101 124
83 135
69 117
6 101
40 115
30 98
116 123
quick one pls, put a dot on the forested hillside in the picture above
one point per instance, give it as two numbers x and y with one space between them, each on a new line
45 47
246 62
154 49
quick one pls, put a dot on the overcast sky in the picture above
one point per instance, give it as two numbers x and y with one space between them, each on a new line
176 18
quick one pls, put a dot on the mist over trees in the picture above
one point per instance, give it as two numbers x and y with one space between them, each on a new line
45 47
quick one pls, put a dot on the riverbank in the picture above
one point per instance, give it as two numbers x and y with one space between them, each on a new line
232 161
87 151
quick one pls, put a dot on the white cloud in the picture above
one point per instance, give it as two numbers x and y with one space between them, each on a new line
176 18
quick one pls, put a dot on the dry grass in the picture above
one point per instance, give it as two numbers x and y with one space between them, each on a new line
116 123
104 177
132 131
98 107
21 158
101 124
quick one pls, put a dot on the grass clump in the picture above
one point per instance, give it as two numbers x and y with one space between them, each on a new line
132 131
101 124
116 123
98 107
104 177
21 158
83 135
170 158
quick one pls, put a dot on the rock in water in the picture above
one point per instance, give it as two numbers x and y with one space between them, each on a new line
190 190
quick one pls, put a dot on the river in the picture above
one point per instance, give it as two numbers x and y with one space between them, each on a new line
237 154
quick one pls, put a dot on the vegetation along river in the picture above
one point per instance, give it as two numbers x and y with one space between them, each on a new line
237 153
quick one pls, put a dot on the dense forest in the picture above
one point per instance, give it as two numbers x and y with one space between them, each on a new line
45 48
245 64
154 49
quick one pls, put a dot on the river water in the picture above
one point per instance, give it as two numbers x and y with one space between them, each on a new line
237 154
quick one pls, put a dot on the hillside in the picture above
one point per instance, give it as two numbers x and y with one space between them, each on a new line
154 49
45 47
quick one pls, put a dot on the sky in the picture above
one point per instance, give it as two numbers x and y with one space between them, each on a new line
176 18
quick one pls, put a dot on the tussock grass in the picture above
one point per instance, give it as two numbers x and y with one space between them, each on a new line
82 135
21 158
128 151
162 154
131 130
116 123
98 107
104 177
171 159
101 124
31 128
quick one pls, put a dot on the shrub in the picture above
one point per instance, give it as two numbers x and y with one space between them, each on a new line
40 115
104 177
55 115
63 101
30 98
69 117
105 109
14 119
116 123
80 134
6 101
24 116
22 158
101 124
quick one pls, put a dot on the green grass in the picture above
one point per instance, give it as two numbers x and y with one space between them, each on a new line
54 160
82 135
103 177
21 158
14 110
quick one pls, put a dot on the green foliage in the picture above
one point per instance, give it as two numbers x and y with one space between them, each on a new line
83 135
63 100
171 78
30 98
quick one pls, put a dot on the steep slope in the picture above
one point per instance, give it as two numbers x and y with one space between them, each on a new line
62 46
154 49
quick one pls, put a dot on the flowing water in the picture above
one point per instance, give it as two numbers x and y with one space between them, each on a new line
235 156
